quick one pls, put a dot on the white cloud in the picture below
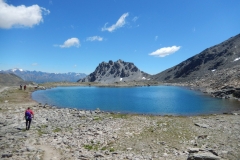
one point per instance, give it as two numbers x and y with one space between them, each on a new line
135 19
95 38
165 51
20 16
120 23
72 42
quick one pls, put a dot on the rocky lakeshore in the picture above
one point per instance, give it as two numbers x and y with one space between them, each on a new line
60 133
224 84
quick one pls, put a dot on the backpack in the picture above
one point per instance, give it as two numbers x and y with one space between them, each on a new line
28 115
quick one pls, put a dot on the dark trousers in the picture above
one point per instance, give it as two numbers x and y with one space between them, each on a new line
28 123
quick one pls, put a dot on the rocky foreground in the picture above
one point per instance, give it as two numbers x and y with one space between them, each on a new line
59 133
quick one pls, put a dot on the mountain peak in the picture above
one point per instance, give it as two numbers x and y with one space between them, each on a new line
17 69
114 72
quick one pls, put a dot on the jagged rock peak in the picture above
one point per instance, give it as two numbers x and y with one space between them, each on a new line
114 72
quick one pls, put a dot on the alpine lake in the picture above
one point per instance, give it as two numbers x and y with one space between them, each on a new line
155 100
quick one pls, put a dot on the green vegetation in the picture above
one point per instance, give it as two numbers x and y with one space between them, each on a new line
111 150
97 118
103 148
57 130
88 147
40 132
92 146
122 116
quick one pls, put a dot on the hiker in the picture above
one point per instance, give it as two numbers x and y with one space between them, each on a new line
28 116
25 87
20 86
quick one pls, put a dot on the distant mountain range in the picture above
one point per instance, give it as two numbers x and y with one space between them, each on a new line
42 77
116 72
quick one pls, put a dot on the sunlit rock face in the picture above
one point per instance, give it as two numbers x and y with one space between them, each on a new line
115 72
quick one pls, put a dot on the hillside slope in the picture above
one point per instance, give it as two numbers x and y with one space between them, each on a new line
10 79
225 55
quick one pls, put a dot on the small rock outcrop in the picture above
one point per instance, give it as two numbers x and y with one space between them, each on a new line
115 72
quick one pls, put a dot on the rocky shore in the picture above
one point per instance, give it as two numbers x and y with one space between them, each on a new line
60 133
224 84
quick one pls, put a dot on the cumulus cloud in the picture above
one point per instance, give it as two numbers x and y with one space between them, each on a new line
72 42
95 38
165 51
20 16
120 23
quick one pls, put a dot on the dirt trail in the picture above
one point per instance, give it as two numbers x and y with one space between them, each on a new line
49 153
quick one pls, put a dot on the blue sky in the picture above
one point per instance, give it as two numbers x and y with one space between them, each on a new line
76 35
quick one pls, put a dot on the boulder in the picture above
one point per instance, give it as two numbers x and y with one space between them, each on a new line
202 156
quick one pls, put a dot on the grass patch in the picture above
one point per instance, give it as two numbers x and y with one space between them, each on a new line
44 126
57 130
97 118
111 150
122 116
92 146
88 147
104 148
40 132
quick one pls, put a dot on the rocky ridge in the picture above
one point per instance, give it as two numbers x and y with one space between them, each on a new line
118 71
219 57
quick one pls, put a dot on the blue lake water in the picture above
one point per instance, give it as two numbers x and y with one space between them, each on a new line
158 100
